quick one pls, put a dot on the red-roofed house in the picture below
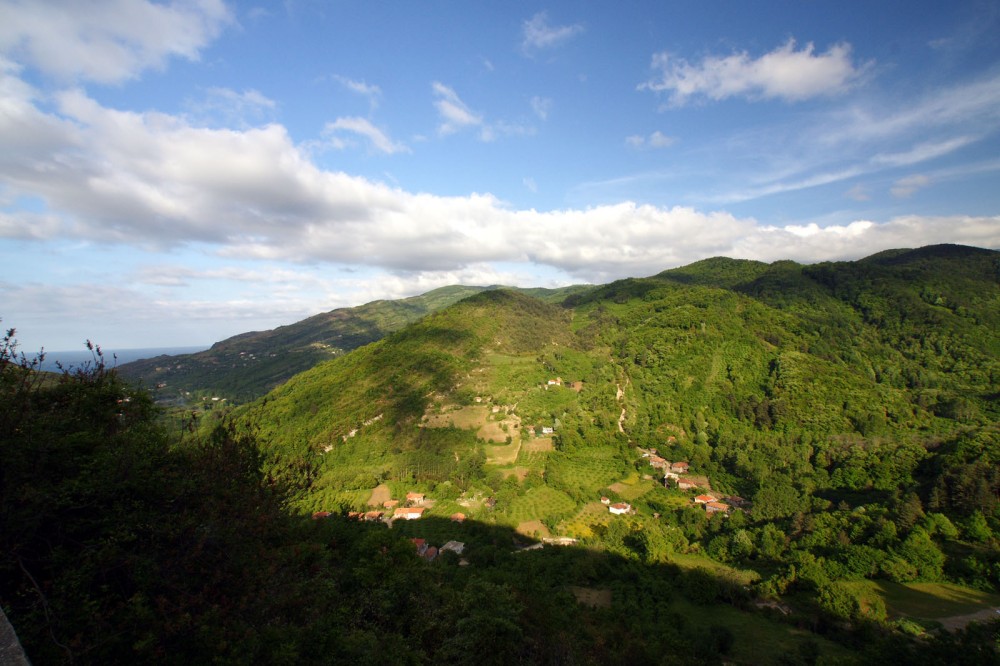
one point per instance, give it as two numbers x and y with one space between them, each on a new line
703 499
458 517
321 514
680 467
390 504
606 501
620 508
415 498
408 513
656 462
420 545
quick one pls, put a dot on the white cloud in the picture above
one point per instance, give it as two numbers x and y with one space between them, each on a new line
371 92
153 181
908 186
537 34
542 106
226 107
107 41
455 114
655 140
785 73
378 139
858 193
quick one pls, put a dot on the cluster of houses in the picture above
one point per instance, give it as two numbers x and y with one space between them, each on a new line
619 508
674 473
430 553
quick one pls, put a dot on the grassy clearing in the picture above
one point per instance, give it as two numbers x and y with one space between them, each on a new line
927 601
634 490
380 494
538 503
589 469
463 417
759 640
693 561
504 454
533 528
581 524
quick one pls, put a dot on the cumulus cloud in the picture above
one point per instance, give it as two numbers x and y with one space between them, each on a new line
785 73
110 41
151 180
363 127
537 34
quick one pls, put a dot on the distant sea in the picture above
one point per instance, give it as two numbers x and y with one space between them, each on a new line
78 358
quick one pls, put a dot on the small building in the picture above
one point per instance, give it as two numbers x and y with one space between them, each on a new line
606 501
684 483
681 467
415 498
620 508
458 517
656 462
717 507
390 504
408 513
420 545
372 516
430 553
704 499
547 430
456 547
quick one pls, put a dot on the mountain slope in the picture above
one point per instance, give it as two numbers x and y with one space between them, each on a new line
248 365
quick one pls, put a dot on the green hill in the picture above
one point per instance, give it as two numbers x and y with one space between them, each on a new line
248 365
851 408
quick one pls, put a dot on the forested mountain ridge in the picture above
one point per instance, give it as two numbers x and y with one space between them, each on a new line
848 409
248 365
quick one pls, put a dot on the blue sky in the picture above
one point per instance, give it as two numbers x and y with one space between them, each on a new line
175 173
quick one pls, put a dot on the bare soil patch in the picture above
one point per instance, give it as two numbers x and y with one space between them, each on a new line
538 445
519 472
592 596
534 528
380 495
461 417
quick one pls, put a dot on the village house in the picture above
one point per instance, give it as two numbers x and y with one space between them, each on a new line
680 467
391 504
372 516
430 553
685 483
704 499
717 507
420 545
408 513
415 498
656 462
456 547
547 430
458 517
555 382
620 508
606 501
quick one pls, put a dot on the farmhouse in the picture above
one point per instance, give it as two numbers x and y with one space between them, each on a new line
458 517
679 467
391 504
456 547
656 462
717 507
703 499
620 508
408 513
606 501
684 483
415 498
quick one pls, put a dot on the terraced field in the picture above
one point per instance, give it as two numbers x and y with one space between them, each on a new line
538 503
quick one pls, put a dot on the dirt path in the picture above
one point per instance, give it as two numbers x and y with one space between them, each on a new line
961 621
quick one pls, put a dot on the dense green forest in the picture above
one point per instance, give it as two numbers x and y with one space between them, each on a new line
802 460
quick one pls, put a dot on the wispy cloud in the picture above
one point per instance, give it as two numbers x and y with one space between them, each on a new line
363 127
371 92
908 186
655 140
785 73
537 34
542 106
225 107
455 114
